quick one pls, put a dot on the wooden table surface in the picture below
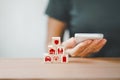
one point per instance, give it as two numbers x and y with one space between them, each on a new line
76 69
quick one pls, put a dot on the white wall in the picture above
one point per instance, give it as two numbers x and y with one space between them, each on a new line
22 28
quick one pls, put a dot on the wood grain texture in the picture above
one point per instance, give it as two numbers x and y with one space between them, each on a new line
76 69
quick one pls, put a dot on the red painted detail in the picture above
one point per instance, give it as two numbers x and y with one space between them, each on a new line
52 51
47 59
64 59
56 42
60 50
56 58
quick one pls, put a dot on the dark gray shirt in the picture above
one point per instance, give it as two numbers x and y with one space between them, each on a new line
91 16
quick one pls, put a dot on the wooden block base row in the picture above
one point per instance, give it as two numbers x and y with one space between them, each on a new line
56 58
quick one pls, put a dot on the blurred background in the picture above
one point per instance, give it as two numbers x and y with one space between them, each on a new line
22 28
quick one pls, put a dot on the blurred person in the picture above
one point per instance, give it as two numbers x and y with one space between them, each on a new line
86 16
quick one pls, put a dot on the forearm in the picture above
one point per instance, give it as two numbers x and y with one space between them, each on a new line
55 28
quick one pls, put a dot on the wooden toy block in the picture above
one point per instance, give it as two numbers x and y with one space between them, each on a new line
56 58
64 58
52 50
60 50
48 59
56 41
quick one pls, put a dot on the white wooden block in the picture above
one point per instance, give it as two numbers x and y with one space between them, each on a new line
60 50
85 36
56 58
48 58
56 41
52 50
64 58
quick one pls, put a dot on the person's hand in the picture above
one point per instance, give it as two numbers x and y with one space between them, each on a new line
84 48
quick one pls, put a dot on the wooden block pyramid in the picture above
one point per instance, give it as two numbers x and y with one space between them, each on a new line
56 52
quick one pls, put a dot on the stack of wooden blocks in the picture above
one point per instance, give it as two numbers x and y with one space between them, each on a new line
56 52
